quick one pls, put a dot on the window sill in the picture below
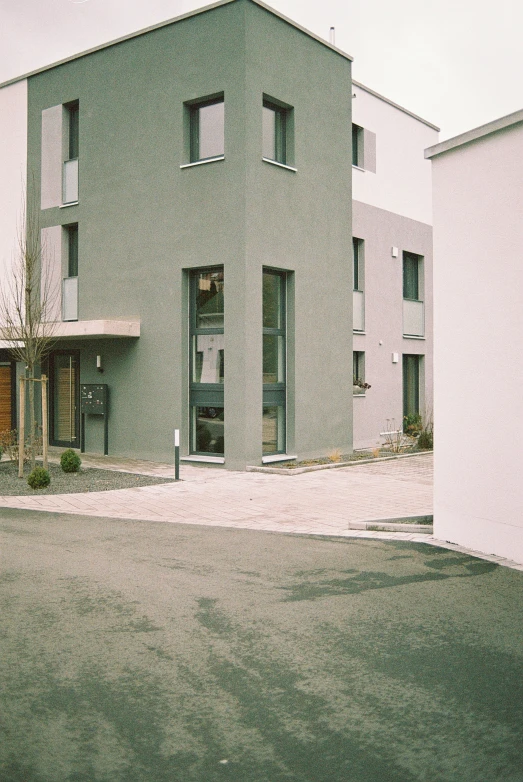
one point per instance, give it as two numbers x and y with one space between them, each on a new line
206 459
356 396
413 336
71 203
203 162
277 457
280 165
358 168
357 331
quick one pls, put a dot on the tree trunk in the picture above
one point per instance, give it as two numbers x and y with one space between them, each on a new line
32 421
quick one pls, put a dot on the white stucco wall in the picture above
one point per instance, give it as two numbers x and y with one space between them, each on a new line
478 331
13 166
402 182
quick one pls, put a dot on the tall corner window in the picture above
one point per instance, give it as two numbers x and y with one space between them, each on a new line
72 144
207 362
274 358
277 132
358 373
206 129
357 146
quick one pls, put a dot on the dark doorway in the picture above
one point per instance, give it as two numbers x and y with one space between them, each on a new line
64 393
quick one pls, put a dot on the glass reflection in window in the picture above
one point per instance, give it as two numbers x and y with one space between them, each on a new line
209 300
208 430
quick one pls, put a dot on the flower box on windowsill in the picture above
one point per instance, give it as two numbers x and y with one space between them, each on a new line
358 391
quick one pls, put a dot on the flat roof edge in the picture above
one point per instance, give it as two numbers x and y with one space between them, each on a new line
396 105
290 21
476 133
166 23
116 41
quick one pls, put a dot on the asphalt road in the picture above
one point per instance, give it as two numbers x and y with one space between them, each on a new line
151 652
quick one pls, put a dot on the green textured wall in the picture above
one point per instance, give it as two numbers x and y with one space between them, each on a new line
143 221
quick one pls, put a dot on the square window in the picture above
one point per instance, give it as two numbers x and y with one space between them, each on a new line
277 132
206 129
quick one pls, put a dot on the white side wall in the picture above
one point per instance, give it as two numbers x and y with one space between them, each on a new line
13 170
402 182
478 328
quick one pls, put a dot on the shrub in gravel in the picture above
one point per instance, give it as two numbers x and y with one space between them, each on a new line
39 478
426 440
70 461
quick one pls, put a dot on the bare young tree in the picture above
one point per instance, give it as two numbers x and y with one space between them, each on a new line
28 303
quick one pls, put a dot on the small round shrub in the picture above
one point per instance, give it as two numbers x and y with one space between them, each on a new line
70 461
39 478
426 440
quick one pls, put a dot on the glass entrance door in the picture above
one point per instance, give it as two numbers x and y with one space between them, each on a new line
64 408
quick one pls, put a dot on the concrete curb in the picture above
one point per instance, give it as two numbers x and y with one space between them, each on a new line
334 465
404 524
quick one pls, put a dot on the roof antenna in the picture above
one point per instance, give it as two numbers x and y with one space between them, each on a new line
332 36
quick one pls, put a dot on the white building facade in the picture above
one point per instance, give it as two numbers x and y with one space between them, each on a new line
392 247
478 326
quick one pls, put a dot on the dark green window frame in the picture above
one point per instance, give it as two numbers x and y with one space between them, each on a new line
357 255
411 276
195 132
73 110
204 396
72 250
357 146
274 355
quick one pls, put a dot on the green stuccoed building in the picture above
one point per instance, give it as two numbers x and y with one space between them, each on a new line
194 188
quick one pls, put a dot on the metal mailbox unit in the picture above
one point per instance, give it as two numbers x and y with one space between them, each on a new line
94 399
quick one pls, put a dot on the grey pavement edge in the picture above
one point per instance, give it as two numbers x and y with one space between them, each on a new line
367 500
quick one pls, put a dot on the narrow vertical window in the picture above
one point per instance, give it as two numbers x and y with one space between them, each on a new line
411 275
72 242
358 302
357 146
70 282
274 372
411 384
207 362
70 173
358 373
207 130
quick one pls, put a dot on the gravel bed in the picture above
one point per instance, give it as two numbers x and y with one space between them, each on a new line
89 479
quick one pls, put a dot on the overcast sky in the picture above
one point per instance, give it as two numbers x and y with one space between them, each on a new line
456 63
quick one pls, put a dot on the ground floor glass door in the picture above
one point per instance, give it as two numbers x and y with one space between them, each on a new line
411 384
64 408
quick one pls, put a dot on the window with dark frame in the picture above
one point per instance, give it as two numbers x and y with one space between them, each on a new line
358 372
207 362
411 276
72 250
206 130
274 363
274 132
357 246
74 128
357 146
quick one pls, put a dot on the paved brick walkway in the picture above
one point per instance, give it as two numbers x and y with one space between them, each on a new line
322 502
